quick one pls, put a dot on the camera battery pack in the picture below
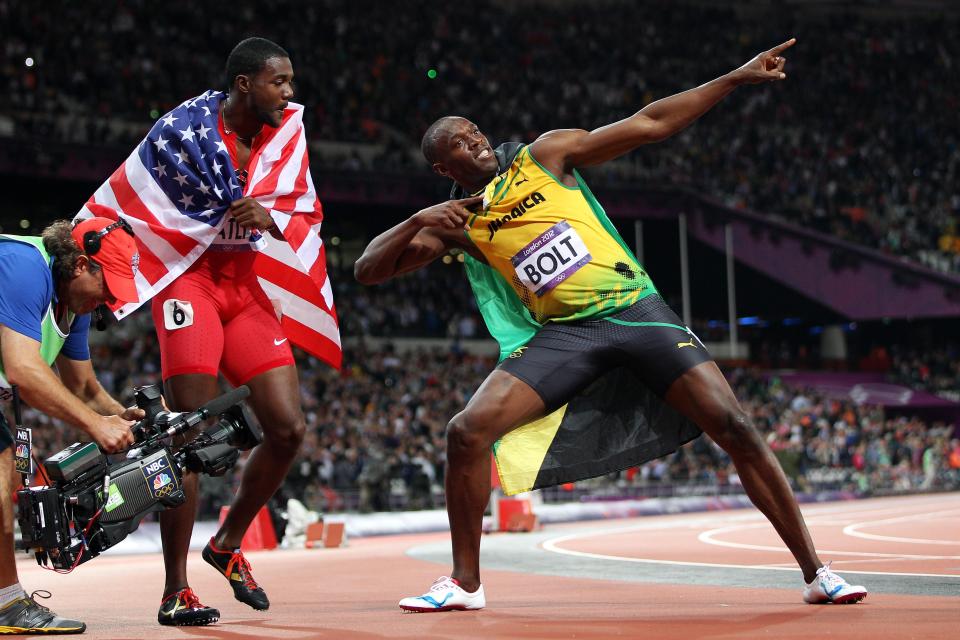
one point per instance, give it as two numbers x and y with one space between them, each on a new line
73 461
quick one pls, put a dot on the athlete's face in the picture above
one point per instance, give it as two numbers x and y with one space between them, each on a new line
465 154
269 91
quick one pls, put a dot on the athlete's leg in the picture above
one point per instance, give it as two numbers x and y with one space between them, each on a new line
275 399
501 404
185 392
703 395
257 353
187 321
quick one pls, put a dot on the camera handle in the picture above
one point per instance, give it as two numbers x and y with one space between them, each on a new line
177 423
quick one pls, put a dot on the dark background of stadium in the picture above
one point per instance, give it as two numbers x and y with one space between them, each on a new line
860 143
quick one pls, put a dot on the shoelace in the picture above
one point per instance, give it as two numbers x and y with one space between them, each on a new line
828 578
441 583
190 599
39 593
46 614
243 568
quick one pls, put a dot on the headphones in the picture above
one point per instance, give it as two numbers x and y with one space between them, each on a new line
91 245
91 239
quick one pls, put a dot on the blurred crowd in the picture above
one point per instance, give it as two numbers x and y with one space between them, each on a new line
437 302
433 302
860 141
935 370
375 431
823 444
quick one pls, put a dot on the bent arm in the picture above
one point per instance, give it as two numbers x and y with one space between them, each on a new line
417 241
79 378
38 384
404 248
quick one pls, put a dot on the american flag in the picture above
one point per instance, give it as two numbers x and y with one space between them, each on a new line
174 190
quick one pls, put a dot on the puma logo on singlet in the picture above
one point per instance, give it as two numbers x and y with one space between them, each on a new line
681 345
520 182
529 202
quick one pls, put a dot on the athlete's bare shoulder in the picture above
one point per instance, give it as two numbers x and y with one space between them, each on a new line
552 150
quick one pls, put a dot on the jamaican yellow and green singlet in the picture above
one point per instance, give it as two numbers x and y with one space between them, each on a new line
555 246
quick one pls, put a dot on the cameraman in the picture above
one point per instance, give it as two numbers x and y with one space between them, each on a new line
48 287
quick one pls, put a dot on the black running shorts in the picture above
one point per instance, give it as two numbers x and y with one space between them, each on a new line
648 338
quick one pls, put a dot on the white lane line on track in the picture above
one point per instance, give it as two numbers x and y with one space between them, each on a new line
836 563
860 561
712 518
845 508
552 546
852 530
707 537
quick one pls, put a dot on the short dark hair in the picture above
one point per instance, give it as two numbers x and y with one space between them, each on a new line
250 56
60 245
428 145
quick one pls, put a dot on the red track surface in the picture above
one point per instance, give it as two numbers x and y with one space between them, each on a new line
894 535
352 592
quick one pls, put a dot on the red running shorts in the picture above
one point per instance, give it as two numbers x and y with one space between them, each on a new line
215 317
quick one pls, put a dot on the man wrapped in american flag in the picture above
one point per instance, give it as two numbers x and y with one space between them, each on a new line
209 180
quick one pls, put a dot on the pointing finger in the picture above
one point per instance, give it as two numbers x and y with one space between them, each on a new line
783 47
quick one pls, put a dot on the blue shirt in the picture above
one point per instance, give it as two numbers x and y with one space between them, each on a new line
26 291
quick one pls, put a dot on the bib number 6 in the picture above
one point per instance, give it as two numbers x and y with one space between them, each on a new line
177 314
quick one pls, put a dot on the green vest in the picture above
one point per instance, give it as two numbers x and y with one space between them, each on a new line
52 339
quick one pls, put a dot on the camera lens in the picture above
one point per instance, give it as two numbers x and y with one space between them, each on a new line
237 427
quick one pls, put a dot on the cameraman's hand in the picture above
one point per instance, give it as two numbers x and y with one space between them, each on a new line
112 433
135 413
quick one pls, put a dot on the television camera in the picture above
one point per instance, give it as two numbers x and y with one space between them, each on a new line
92 504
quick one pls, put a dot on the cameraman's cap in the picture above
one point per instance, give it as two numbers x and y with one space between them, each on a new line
117 256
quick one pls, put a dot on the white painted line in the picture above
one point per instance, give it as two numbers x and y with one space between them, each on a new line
845 510
707 537
858 561
551 545
852 530
713 518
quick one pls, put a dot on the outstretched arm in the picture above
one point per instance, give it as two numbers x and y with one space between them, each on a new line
419 240
565 149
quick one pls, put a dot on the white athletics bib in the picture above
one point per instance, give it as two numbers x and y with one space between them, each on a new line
232 237
177 314
551 258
